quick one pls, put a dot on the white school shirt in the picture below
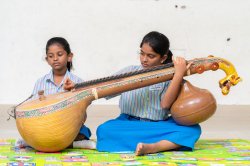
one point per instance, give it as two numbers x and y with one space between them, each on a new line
47 84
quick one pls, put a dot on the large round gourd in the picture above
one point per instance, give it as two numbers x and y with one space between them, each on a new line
193 105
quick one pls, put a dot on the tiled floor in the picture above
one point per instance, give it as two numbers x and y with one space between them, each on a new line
229 122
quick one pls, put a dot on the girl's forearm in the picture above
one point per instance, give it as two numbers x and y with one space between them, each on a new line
172 91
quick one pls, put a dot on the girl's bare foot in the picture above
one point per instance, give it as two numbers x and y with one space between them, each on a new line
160 146
144 149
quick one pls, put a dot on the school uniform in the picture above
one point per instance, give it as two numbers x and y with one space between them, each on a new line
143 120
47 84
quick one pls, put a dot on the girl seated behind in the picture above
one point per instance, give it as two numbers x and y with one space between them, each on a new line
59 57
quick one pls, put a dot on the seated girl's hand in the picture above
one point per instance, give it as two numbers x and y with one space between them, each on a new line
180 66
68 84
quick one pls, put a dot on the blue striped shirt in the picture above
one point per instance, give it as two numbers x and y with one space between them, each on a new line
143 102
47 84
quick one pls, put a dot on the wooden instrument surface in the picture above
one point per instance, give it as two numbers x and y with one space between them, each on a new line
61 96
50 99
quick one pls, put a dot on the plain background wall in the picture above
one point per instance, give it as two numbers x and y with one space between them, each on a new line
105 37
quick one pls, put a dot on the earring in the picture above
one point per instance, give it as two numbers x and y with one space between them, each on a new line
161 61
69 60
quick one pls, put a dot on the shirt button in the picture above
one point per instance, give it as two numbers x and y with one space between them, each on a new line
147 98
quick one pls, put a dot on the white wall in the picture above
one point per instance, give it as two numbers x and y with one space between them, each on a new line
105 37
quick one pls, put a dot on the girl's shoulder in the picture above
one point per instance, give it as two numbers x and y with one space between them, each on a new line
134 67
130 68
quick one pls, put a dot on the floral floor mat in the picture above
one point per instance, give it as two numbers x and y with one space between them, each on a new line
226 152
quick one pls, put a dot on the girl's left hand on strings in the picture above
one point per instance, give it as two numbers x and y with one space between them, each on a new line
68 84
180 65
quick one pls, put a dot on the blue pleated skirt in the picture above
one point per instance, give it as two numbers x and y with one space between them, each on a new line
125 132
85 131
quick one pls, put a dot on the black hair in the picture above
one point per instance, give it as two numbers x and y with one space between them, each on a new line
159 43
65 45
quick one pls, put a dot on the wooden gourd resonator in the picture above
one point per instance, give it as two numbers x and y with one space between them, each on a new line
50 123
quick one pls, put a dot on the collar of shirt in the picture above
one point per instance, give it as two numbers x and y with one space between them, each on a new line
50 77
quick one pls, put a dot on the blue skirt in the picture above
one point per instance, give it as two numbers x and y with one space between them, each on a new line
125 132
85 131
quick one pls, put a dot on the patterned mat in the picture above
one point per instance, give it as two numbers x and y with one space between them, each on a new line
207 152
